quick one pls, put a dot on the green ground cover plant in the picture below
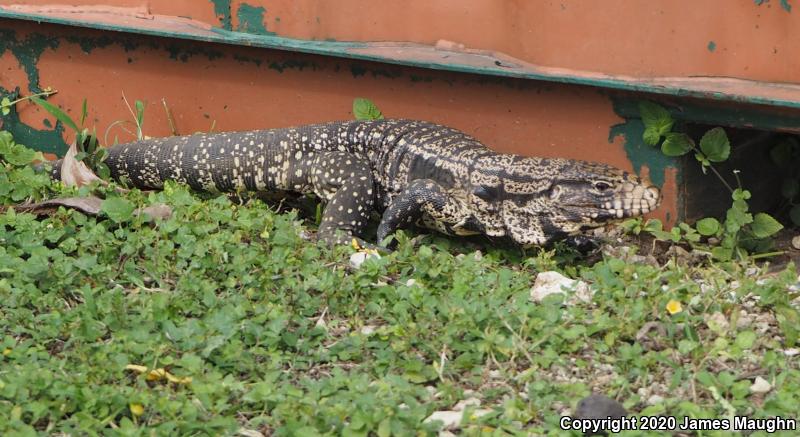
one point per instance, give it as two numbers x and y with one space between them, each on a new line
741 234
222 319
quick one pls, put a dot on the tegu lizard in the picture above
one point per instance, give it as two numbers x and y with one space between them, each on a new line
414 172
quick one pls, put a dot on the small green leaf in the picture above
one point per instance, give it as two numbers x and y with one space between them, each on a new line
101 154
745 339
6 105
656 119
364 109
764 225
117 209
707 226
139 112
653 225
651 136
740 194
83 112
706 379
56 112
19 155
715 145
677 144
103 171
722 253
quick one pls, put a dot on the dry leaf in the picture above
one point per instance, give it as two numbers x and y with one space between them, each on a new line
75 173
86 205
90 206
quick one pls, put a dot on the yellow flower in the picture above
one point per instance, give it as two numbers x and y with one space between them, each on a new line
674 307
6 352
159 374
355 244
136 409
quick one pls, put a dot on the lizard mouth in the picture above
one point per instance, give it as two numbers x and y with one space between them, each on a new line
632 203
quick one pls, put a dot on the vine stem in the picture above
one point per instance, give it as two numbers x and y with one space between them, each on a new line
719 176
45 93
768 254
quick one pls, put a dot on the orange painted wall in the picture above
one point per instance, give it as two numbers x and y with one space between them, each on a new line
638 38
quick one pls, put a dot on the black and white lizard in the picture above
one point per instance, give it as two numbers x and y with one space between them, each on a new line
412 171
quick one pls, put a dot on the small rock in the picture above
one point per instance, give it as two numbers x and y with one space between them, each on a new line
796 242
599 407
249 433
745 319
464 403
760 385
449 419
475 414
791 352
548 283
655 400
367 329
411 282
358 258
717 322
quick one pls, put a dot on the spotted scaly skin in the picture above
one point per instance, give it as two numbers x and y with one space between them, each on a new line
413 171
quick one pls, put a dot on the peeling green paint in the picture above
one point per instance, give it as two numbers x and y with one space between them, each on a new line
357 70
712 46
353 50
43 140
251 20
698 111
298 64
183 53
89 44
639 153
27 52
222 9
642 155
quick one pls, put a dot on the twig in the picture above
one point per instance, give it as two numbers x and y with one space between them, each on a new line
169 118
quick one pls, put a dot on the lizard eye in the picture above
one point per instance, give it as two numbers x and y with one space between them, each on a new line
602 186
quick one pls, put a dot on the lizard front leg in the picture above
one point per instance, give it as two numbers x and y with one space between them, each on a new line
345 181
427 200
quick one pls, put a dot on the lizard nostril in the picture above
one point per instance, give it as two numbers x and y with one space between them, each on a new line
652 193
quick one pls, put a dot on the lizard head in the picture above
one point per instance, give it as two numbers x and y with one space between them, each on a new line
545 199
